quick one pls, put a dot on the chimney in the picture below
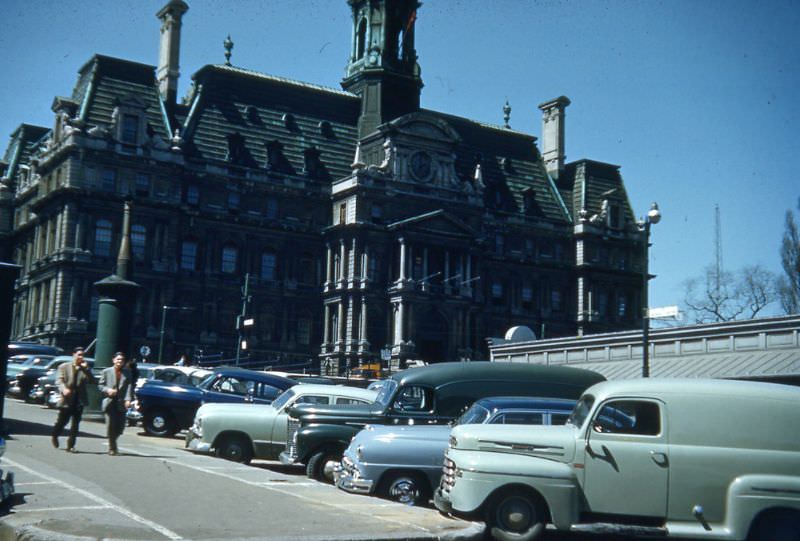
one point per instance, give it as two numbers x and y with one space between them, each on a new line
169 51
553 134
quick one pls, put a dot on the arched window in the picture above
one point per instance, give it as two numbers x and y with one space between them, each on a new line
189 255
268 266
138 240
102 238
230 255
361 39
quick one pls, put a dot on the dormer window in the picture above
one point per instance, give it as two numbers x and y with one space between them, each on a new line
614 216
312 166
130 129
289 121
275 158
236 148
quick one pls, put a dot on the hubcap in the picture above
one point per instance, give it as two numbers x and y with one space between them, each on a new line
234 452
327 468
404 490
515 515
159 422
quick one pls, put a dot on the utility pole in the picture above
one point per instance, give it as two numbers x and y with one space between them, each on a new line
241 320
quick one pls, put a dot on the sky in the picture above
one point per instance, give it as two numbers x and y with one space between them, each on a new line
694 100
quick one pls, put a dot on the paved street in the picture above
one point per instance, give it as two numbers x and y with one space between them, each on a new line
155 490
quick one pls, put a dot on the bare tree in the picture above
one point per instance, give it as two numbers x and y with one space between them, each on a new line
728 296
789 285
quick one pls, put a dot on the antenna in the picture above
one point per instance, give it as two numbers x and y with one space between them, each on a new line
717 249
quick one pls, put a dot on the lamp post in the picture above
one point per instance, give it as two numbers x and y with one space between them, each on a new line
164 309
653 217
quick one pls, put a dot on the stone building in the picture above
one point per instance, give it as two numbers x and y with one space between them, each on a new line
364 221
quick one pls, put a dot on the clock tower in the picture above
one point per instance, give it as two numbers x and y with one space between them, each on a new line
383 68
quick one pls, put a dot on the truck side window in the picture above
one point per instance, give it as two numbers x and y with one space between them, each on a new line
413 399
628 417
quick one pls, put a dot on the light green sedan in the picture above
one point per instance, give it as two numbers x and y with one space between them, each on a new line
242 432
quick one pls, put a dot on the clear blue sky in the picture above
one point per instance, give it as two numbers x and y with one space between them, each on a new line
696 100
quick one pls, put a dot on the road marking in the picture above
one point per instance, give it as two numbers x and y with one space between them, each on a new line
212 470
49 509
131 515
33 483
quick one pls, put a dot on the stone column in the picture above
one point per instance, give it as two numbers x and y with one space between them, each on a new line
342 262
326 327
362 324
340 322
402 260
353 260
425 263
328 264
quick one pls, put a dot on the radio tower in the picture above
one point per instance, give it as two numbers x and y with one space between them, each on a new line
717 250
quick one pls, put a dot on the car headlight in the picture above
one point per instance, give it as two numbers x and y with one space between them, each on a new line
453 441
198 426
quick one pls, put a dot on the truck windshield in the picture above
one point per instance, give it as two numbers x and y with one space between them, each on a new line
475 415
386 393
581 411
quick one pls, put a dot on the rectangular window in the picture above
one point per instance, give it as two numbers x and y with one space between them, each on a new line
109 182
622 306
192 194
304 331
233 201
189 255
138 239
271 210
372 272
499 242
130 129
102 238
343 213
555 300
268 262
614 217
229 257
94 308
527 293
142 184
497 290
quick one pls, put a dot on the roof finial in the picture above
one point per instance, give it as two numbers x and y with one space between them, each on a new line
506 114
228 44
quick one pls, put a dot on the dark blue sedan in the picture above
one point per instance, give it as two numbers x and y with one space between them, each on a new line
168 408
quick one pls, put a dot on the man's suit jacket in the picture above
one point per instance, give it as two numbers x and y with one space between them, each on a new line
108 382
67 377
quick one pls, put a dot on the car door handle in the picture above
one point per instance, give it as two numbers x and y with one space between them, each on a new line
659 458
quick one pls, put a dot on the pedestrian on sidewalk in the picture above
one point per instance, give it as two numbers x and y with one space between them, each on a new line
116 386
72 379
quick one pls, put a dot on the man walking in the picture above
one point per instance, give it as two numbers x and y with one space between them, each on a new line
72 379
116 386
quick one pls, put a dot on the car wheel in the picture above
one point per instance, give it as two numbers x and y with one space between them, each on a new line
778 525
405 487
516 516
158 423
320 466
235 448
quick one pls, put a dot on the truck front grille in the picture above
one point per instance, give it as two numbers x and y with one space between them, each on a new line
448 475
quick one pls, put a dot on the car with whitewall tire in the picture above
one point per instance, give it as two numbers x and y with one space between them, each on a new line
242 432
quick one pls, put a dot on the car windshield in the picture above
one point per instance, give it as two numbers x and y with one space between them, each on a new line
475 415
581 411
285 396
385 395
206 383
146 373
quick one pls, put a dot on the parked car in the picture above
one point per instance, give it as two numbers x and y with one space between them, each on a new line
672 458
45 390
34 348
434 394
184 375
26 379
167 408
12 369
241 432
404 463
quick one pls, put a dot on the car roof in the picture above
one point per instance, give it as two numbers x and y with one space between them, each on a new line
494 403
255 375
441 373
694 386
334 390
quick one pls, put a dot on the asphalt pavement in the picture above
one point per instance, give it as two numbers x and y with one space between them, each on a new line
156 490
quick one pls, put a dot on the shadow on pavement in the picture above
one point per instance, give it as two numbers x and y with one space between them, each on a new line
27 428
15 499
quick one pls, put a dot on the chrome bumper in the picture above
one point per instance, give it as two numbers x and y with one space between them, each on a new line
350 481
196 445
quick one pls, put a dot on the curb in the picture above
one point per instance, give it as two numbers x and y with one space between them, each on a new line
28 532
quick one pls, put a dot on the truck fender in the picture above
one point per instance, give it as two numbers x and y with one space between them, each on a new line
315 437
751 497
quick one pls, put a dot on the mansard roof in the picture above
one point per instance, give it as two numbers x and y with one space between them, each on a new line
104 81
510 162
584 184
24 142
263 109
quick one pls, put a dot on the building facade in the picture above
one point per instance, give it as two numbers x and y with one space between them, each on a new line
362 221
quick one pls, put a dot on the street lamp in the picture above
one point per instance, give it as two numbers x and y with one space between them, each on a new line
653 217
163 324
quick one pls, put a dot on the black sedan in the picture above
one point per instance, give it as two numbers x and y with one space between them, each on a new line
26 378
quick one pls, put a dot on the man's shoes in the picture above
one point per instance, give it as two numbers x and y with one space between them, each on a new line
71 450
113 452
54 441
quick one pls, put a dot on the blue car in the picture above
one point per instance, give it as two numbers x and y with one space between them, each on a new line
168 408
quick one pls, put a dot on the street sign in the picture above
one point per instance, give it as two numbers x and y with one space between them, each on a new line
664 312
144 351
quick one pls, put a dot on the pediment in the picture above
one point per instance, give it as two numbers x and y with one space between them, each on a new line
426 126
437 223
